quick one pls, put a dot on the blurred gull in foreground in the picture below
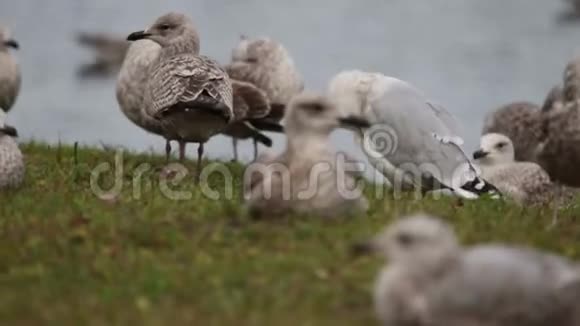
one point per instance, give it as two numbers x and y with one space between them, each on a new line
309 177
413 142
525 182
431 280
10 78
268 66
11 160
190 94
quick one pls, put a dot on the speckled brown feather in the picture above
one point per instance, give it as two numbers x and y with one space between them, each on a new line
250 102
183 78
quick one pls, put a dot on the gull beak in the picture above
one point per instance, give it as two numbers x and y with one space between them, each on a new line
12 44
353 122
9 131
138 36
479 154
363 248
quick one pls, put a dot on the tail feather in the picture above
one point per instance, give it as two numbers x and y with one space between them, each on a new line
263 139
266 125
258 136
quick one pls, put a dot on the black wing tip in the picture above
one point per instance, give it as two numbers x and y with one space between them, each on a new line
481 187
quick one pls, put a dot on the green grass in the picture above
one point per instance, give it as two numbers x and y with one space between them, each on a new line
68 257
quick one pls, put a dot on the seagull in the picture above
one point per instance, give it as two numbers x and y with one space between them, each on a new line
412 141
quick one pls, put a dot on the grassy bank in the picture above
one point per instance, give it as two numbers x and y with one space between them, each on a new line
68 257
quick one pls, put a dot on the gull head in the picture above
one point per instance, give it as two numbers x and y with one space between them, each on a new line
419 240
170 29
350 91
256 50
6 40
494 149
314 114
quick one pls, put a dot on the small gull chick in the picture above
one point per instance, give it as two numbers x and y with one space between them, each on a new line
432 280
525 182
308 177
190 94
10 78
11 160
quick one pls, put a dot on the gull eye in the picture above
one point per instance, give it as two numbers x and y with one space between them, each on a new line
317 108
164 27
405 239
501 145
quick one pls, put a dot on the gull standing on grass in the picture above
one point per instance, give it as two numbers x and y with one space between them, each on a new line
308 177
431 280
525 182
190 94
268 66
248 98
413 142
10 78
11 160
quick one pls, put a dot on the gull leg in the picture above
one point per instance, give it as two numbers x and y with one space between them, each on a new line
167 150
235 145
255 149
182 145
199 157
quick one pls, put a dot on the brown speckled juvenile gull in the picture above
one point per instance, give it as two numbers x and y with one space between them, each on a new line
10 78
109 51
559 149
559 153
571 90
190 94
11 161
307 178
525 182
431 280
554 99
267 65
521 122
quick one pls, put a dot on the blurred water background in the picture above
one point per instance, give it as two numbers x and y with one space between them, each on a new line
469 55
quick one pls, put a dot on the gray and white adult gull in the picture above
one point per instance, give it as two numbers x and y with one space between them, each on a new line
309 177
190 94
413 142
10 78
432 280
